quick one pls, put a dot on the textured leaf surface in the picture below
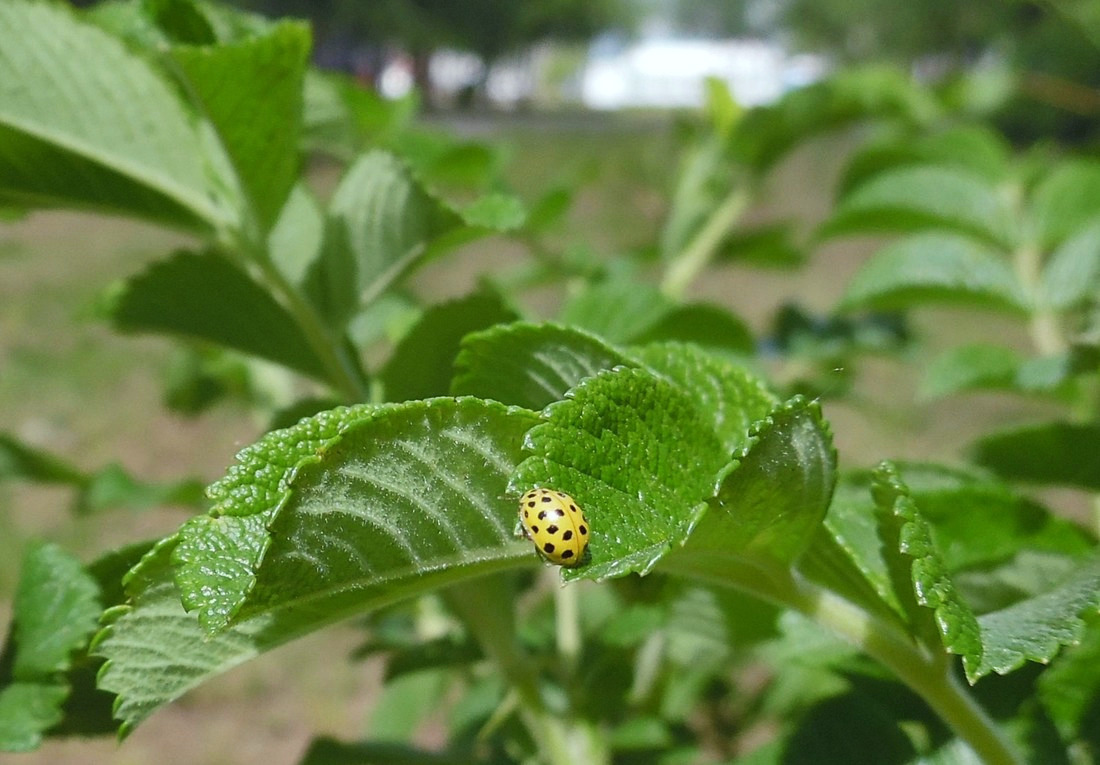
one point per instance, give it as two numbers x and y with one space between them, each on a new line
208 298
637 454
1037 628
252 93
770 501
921 579
404 501
935 267
217 553
421 365
732 397
530 365
1055 452
84 122
922 197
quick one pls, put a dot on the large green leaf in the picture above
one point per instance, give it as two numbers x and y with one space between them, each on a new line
618 311
206 297
923 197
530 365
409 498
251 91
421 365
638 455
935 267
84 122
1067 200
1055 452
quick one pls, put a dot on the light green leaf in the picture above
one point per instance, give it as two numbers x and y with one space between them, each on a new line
1037 628
84 122
610 446
496 212
923 197
970 367
296 238
618 311
732 397
251 91
1066 200
1069 688
217 553
27 711
921 580
421 364
1071 275
770 500
55 612
206 297
530 365
1055 453
404 502
935 267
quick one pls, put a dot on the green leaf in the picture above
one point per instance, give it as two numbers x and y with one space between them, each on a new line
970 367
705 324
925 197
610 447
1055 453
324 750
935 267
425 485
495 212
618 311
921 579
251 91
421 364
181 20
230 540
530 365
1066 200
206 297
732 397
113 487
771 499
768 246
19 460
27 711
56 609
1037 628
1071 274
84 122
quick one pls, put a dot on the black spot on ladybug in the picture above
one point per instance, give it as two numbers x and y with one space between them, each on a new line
567 535
534 529
548 548
573 508
547 498
566 555
526 514
583 530
542 515
551 529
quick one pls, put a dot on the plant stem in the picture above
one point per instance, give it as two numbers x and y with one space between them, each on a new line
1044 328
929 675
690 261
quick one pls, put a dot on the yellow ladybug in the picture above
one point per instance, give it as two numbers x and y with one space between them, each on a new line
556 525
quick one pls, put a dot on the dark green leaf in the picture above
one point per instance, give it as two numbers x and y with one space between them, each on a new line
920 575
530 365
182 21
847 729
935 267
329 751
1070 688
926 197
770 246
422 363
618 311
704 324
204 296
86 123
1055 452
18 460
251 91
